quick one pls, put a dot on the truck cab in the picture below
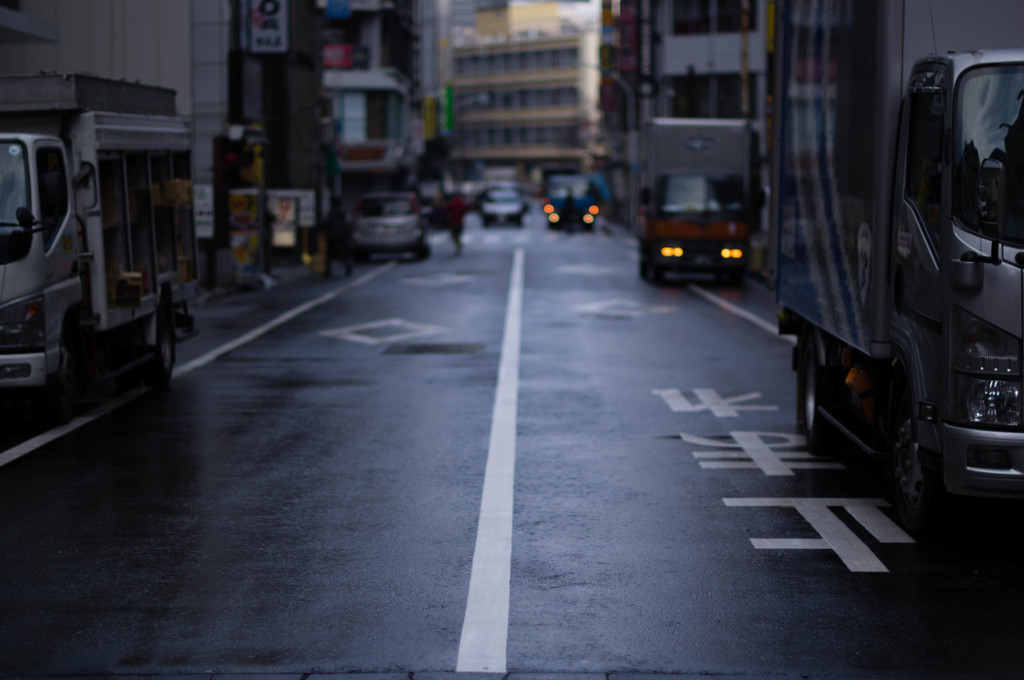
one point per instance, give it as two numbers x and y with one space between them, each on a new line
958 289
39 249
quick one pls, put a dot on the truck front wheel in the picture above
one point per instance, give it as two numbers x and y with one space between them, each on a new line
162 367
916 488
58 405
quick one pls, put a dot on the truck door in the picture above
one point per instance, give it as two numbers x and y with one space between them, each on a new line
62 287
917 288
54 212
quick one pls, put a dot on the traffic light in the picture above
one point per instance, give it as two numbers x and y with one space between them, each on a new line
238 162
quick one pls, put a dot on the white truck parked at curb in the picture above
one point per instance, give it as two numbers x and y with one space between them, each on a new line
97 244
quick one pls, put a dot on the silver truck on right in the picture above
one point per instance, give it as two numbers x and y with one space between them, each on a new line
897 224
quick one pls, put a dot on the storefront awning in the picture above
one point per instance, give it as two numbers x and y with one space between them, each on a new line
337 79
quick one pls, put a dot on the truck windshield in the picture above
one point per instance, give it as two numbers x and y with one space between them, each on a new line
990 124
699 195
13 185
563 186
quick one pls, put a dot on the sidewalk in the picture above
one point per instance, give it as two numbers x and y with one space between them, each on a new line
281 275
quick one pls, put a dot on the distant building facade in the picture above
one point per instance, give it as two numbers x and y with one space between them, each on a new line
524 92
371 80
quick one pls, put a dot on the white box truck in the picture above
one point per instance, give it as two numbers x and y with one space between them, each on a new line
897 218
97 243
697 197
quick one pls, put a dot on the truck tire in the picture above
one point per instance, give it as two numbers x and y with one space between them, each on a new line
58 405
810 390
162 367
917 489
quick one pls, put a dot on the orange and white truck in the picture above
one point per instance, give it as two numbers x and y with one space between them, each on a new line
696 197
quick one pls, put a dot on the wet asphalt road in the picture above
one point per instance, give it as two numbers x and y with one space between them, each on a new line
307 501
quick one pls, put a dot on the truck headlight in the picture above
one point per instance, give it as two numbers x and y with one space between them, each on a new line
986 372
23 324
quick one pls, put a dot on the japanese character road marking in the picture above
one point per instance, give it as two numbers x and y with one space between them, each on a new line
757 451
708 399
835 535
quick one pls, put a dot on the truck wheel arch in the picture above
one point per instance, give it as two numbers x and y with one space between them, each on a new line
916 489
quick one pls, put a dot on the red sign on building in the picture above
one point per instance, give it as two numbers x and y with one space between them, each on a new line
344 55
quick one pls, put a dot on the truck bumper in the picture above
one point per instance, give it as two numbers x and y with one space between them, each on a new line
23 370
983 463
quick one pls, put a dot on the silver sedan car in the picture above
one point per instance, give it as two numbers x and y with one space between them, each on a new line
389 222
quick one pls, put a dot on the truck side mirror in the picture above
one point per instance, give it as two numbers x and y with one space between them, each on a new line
25 218
992 198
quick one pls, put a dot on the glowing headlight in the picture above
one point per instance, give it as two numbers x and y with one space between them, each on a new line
23 324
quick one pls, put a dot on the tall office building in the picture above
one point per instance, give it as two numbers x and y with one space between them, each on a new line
525 91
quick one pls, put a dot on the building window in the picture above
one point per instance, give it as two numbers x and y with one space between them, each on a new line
730 16
711 96
692 96
728 102
353 117
566 58
369 115
691 16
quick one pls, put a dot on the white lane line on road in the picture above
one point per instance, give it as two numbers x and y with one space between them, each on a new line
740 312
483 646
29 445
260 331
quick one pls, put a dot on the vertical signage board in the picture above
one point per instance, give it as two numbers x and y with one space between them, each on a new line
269 26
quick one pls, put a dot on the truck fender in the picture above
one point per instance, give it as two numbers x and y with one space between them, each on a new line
907 372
